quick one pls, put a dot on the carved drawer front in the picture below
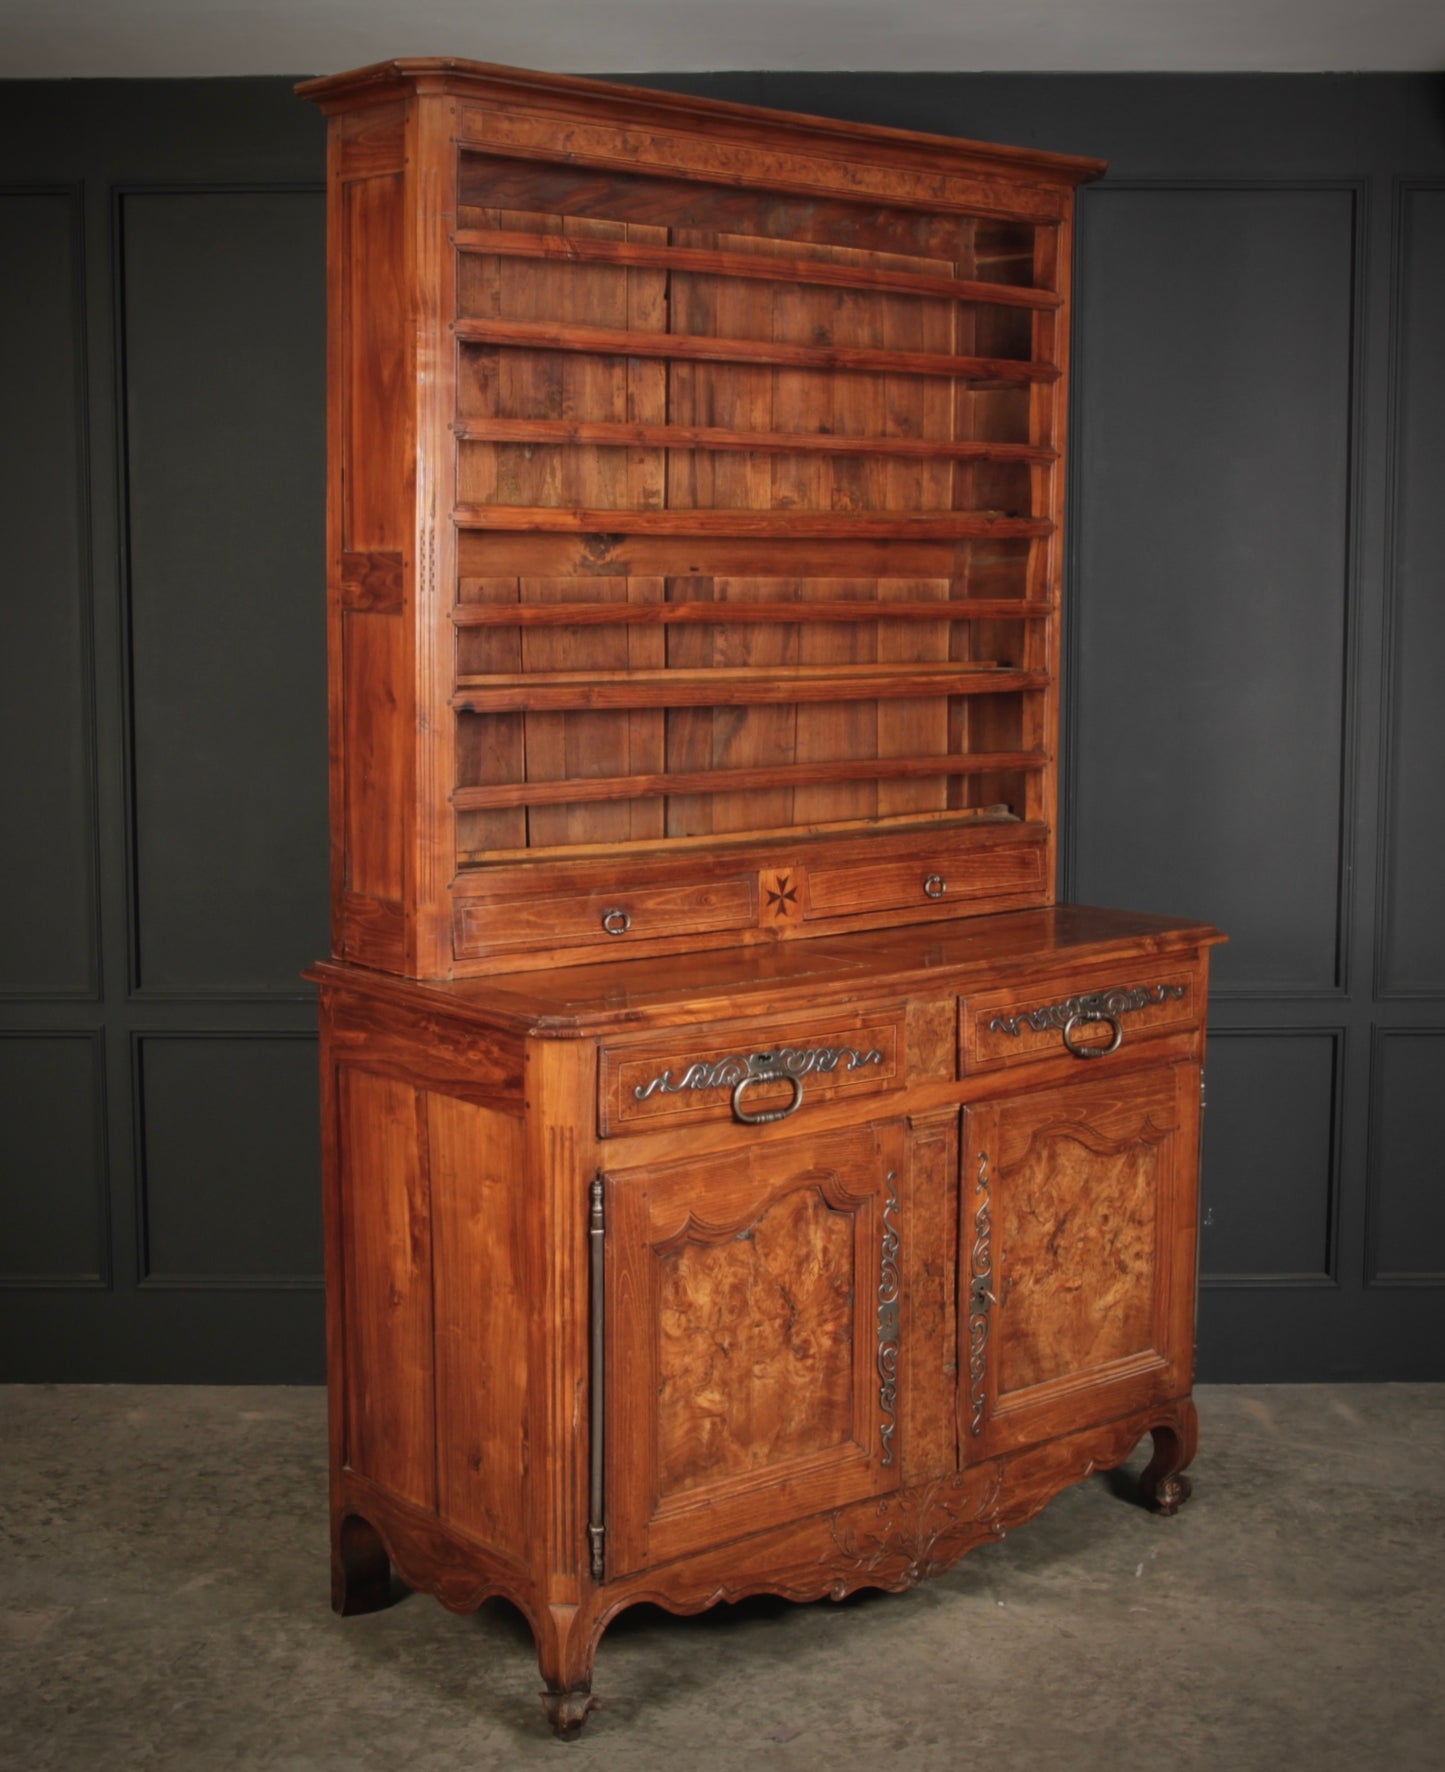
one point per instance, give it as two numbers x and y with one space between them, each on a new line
751 1073
610 916
927 882
1085 1017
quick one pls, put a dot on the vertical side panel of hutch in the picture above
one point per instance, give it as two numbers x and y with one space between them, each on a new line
390 497
371 452
1049 425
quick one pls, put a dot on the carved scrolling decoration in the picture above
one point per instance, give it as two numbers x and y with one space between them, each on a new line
1095 1005
786 1061
920 1532
888 1291
980 1296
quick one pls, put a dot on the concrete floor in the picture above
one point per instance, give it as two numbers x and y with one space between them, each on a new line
165 1606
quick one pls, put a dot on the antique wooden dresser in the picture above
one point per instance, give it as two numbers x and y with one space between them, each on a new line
742 1176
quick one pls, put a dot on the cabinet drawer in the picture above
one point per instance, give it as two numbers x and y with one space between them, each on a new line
1078 1017
926 882
610 916
753 1072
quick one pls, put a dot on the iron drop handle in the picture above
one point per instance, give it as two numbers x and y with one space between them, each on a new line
768 1115
1086 1017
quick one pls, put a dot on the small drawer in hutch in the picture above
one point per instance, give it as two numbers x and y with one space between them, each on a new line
604 915
749 1075
953 877
1089 1016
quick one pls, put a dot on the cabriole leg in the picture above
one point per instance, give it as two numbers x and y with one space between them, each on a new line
1163 1486
566 1652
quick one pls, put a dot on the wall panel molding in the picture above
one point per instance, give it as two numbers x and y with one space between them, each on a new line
1409 948
1273 1151
49 906
1406 1184
1241 525
227 1152
54 1176
223 565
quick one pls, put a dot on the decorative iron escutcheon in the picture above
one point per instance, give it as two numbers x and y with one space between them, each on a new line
889 1287
981 1299
741 1072
1093 1006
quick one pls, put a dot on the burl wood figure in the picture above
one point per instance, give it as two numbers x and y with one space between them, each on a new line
741 1176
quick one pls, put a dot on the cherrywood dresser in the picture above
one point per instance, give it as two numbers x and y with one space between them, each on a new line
741 1175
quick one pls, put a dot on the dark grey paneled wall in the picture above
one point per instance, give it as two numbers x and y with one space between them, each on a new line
162 689
1256 645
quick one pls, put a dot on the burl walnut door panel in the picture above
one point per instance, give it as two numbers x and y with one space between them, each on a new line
751 1337
1077 1255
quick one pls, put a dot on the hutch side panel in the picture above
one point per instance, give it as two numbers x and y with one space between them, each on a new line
372 478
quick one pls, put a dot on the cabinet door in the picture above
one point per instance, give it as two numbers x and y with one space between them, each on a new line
750 1340
1078 1247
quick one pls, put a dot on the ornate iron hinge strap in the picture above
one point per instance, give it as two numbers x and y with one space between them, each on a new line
980 1296
1096 1004
596 1235
888 1292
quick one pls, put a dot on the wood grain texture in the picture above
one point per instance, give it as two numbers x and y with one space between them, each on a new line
1079 1227
481 1283
754 1332
743 1381
745 264
1079 1210
385 1211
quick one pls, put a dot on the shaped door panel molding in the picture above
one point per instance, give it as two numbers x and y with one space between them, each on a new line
752 1334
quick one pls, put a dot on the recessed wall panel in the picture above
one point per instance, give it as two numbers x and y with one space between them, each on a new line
1212 506
46 906
225 357
231 1159
51 1160
1269 1158
1406 1236
1414 929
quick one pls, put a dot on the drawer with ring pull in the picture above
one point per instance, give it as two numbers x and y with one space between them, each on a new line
1072 1018
750 1074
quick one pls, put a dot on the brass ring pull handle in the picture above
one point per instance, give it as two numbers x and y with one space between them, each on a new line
616 922
935 886
769 1114
1087 1017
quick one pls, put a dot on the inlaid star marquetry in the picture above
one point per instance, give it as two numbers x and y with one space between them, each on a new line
782 891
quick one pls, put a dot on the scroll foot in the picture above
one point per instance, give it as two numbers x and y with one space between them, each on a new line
1163 1486
567 1711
